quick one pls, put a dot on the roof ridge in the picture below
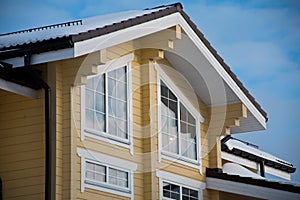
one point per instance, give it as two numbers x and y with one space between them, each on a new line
63 24
177 4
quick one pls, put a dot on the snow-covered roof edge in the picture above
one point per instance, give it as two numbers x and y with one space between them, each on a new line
251 152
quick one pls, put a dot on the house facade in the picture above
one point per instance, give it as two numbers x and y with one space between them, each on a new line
129 105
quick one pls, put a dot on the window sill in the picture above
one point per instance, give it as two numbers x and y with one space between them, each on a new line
101 136
107 188
181 160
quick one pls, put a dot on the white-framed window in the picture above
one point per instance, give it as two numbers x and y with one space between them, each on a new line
106 103
179 124
172 186
107 174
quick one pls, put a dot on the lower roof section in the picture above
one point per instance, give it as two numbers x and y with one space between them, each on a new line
257 188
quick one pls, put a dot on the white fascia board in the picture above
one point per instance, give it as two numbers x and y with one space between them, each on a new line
18 89
221 71
253 165
239 160
249 190
44 57
124 35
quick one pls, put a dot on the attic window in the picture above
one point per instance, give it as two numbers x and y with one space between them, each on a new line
178 124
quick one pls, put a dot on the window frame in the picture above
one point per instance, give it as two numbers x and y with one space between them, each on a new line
108 162
105 136
181 99
181 181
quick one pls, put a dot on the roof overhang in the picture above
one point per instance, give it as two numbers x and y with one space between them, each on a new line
250 187
205 61
240 152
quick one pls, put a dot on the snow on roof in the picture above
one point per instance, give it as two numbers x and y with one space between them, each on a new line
70 28
237 144
236 169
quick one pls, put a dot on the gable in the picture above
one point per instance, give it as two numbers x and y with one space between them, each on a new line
81 37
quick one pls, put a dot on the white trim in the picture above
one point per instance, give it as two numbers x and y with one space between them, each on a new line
130 33
18 89
106 159
161 75
104 136
44 57
249 189
181 181
254 165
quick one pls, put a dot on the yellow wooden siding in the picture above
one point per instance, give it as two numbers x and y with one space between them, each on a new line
59 132
144 99
22 146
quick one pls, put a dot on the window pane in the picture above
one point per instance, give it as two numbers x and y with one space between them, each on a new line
122 128
111 87
112 126
171 190
173 144
121 91
191 119
90 175
187 134
100 122
112 106
95 172
172 126
173 109
163 90
169 120
100 177
183 113
165 141
189 193
112 74
90 166
100 84
172 96
183 127
121 74
89 118
89 99
121 109
100 102
113 172
118 177
164 124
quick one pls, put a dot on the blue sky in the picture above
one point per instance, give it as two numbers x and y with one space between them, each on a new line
259 40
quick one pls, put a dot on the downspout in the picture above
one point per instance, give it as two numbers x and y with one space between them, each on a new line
48 149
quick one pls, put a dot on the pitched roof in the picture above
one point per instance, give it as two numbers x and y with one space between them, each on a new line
64 35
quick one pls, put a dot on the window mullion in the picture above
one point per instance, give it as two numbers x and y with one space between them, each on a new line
107 174
106 102
180 191
178 122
